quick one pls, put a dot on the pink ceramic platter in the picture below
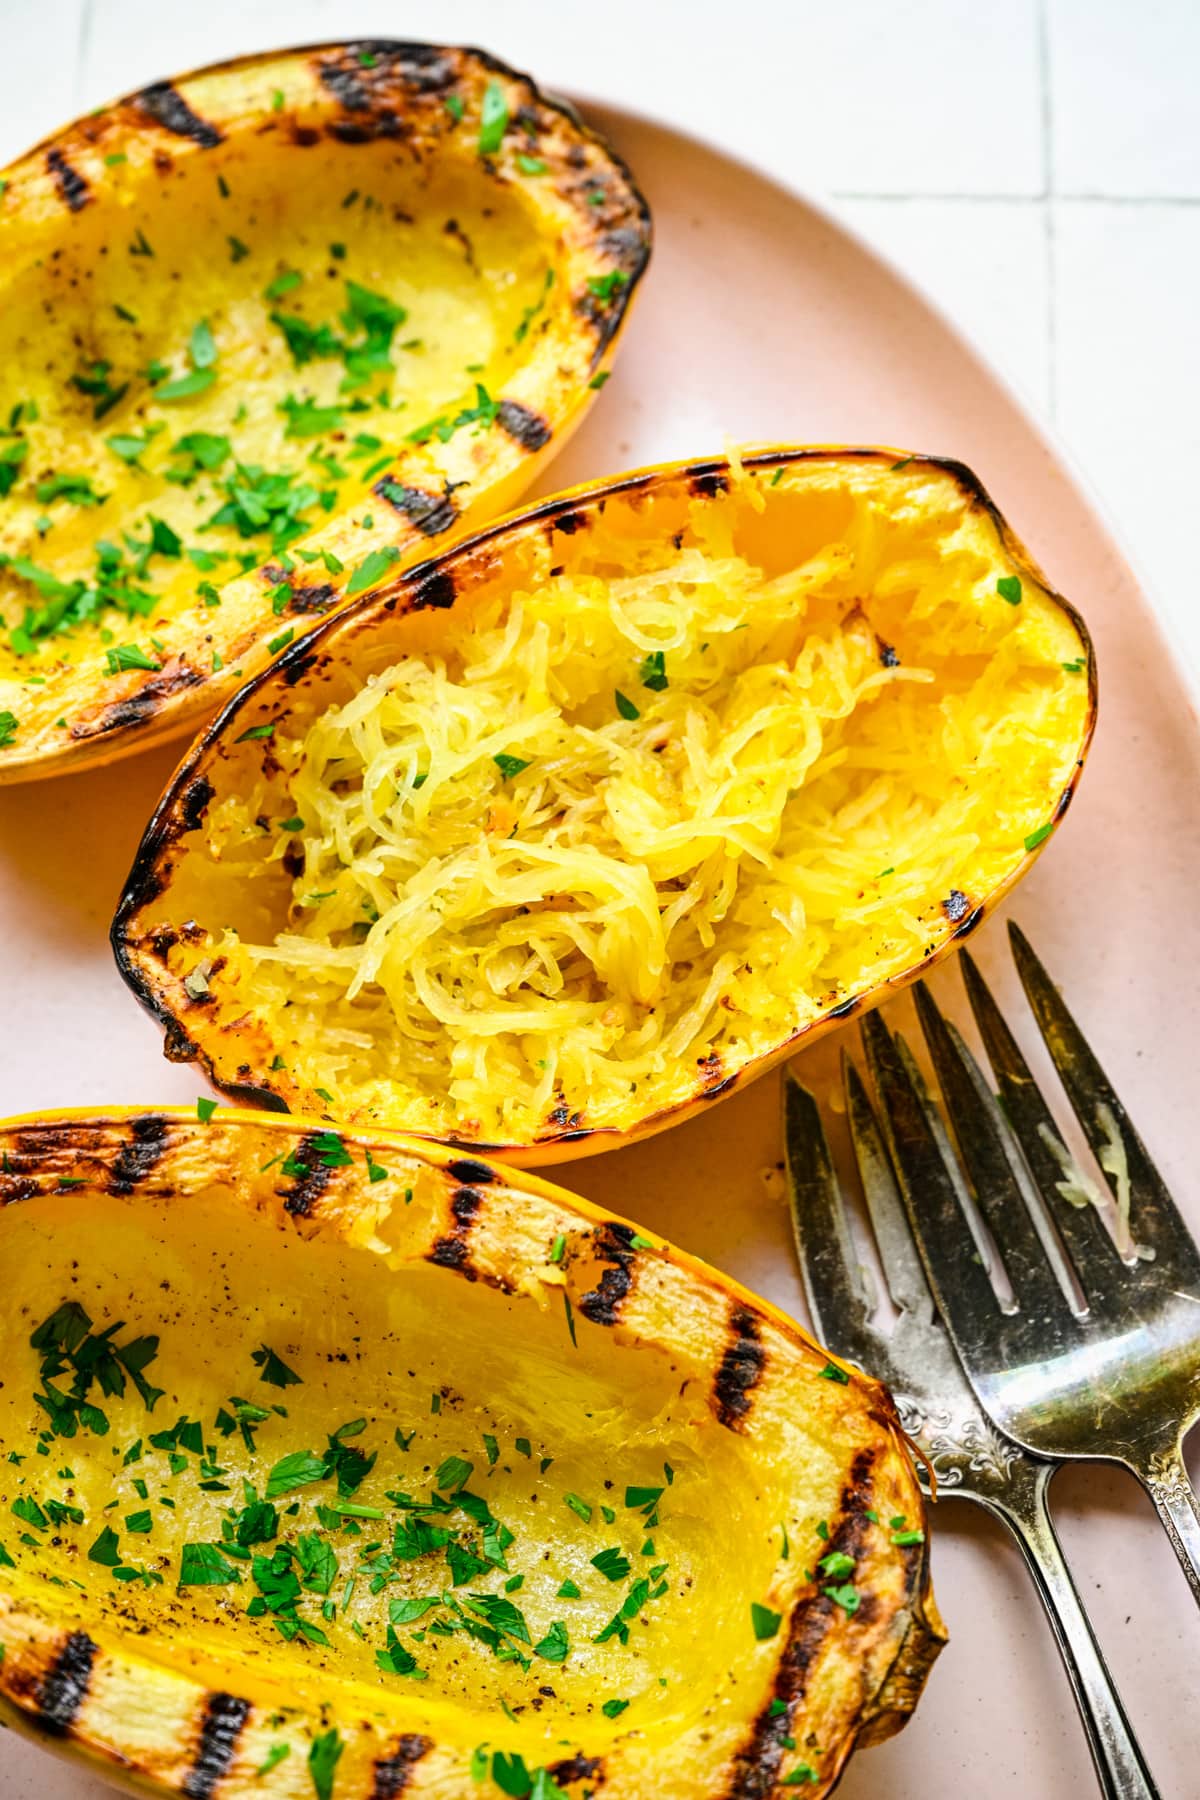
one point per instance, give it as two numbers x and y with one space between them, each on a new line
764 320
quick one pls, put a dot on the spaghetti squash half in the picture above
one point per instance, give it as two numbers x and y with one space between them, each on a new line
609 807
266 334
363 1456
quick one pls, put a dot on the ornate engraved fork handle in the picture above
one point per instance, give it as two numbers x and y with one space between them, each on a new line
1165 1479
1120 1765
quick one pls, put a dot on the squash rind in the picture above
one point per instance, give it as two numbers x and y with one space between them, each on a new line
595 228
72 1679
190 1034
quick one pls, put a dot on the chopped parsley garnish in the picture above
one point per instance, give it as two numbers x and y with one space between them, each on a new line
104 395
8 728
1038 837
454 106
205 1110
255 731
493 119
605 286
298 1469
613 1564
283 284
66 1341
106 1550
643 1498
765 1622
371 569
555 1646
652 673
836 1564
306 419
580 1507
612 1709
275 1755
1009 588
509 765
272 1368
831 1372
453 1474
846 1596
325 1754
598 380
625 705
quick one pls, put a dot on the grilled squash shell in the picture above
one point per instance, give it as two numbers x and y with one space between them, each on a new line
270 331
695 1556
477 861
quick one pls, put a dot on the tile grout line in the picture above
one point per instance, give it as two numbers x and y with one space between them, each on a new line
1048 208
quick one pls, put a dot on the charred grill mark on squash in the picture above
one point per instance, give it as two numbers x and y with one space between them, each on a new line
73 190
740 1371
193 804
706 484
971 922
140 707
392 1773
430 513
64 1687
437 589
613 1243
844 1008
757 1765
314 598
577 1768
306 1190
224 1720
471 1174
168 108
568 522
452 1250
526 427
137 1158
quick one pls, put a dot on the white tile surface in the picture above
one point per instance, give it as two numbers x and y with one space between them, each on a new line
39 68
923 96
986 265
1128 374
904 99
1123 83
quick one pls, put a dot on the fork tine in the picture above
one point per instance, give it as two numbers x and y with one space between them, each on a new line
948 1250
1091 1095
837 1294
978 1137
1091 1248
897 1252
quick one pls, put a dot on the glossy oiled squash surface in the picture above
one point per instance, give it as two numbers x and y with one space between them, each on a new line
601 812
332 1345
258 327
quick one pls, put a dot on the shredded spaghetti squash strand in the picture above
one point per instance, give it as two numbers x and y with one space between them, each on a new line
631 824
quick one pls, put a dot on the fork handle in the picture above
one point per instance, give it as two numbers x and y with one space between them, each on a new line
1165 1479
1120 1765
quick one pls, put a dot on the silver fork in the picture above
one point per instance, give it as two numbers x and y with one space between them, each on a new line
937 1408
1105 1366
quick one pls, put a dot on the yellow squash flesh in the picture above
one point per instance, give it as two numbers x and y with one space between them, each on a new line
266 1288
343 301
480 863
